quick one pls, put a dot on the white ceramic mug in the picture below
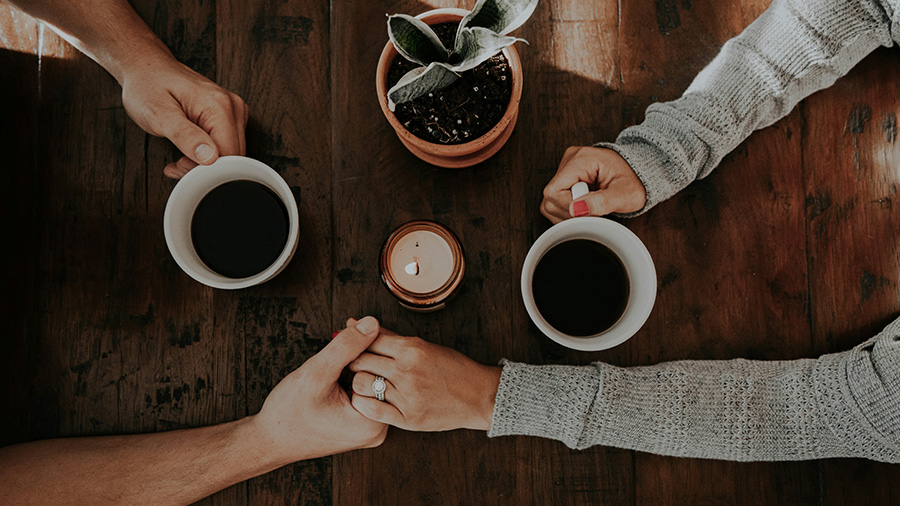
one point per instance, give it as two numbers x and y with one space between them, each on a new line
638 266
188 193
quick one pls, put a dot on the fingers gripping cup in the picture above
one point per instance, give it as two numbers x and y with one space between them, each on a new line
588 283
232 224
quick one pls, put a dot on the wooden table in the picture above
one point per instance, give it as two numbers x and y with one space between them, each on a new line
788 250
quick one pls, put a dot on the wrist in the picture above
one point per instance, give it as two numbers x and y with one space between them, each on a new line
259 448
135 60
486 394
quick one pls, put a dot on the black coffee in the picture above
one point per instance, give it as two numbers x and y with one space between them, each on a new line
239 228
580 287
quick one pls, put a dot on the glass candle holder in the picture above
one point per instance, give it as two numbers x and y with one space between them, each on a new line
422 264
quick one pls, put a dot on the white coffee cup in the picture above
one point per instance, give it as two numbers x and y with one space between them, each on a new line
638 266
188 193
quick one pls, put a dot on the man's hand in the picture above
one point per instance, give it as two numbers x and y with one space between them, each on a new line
429 387
615 187
162 96
309 415
167 99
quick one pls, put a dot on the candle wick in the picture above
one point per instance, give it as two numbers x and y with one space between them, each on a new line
412 268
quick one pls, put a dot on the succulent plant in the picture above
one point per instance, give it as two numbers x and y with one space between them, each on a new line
481 34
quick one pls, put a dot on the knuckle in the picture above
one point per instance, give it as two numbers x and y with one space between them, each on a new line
544 211
415 351
148 115
359 383
222 99
598 204
363 407
379 409
182 133
344 346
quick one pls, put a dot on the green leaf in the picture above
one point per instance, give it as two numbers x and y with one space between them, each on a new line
419 81
476 45
501 16
415 40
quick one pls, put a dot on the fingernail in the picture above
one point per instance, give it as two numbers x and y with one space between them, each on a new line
204 152
335 333
367 325
579 208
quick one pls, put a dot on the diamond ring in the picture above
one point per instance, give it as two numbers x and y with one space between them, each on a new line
379 386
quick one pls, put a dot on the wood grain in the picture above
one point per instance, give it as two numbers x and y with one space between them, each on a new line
18 126
271 54
128 343
787 250
378 185
851 161
730 250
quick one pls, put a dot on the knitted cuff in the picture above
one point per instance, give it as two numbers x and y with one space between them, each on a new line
644 161
858 396
667 150
549 401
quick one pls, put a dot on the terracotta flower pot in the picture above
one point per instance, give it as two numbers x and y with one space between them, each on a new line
455 155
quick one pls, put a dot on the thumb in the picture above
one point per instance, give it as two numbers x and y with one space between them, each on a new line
190 139
344 348
597 203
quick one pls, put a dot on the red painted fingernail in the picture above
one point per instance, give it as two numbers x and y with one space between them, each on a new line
336 332
579 208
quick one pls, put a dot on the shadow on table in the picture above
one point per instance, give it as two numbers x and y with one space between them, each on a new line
18 124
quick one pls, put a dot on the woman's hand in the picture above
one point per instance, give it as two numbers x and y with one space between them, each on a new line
616 188
168 99
429 387
309 415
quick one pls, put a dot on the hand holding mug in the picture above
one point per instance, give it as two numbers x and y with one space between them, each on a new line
617 188
168 99
427 387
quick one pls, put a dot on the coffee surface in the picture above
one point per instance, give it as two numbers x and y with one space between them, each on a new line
580 287
239 228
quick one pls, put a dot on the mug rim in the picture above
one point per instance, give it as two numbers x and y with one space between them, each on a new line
202 180
638 265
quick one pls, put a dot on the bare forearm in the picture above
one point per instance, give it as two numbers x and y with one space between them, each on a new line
177 467
109 31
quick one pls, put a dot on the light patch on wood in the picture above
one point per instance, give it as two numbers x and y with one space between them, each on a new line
22 33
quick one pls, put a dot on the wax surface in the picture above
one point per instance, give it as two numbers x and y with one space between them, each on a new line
433 256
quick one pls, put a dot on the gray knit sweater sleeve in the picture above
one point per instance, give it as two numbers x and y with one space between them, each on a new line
841 405
793 49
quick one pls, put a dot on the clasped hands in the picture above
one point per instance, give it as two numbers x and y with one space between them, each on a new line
429 388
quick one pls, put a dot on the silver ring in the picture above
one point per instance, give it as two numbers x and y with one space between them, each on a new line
379 386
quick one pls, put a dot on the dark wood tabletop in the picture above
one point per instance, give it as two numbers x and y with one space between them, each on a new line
789 250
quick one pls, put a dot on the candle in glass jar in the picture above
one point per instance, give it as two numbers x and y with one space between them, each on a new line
422 265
